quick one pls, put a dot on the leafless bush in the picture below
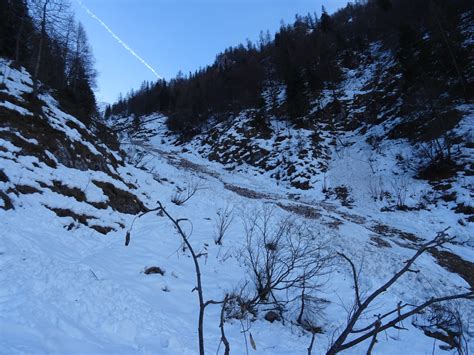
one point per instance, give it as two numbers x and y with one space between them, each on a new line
375 143
436 150
423 197
140 159
238 305
222 222
444 322
311 309
281 255
371 161
400 191
182 195
436 159
241 304
376 189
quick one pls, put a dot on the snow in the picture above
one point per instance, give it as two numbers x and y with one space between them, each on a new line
17 82
76 291
17 108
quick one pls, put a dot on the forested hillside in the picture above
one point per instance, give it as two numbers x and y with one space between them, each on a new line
425 38
44 37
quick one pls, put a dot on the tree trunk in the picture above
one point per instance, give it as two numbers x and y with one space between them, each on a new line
461 76
300 316
221 325
40 49
310 348
18 38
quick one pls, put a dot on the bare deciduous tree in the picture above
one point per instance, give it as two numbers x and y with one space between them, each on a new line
390 319
50 16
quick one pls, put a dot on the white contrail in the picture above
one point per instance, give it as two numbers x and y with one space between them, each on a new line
124 45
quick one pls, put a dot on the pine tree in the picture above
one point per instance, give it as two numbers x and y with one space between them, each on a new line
325 21
296 99
385 5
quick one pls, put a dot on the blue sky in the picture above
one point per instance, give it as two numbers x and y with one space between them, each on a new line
173 35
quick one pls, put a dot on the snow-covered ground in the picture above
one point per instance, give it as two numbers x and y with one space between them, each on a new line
75 291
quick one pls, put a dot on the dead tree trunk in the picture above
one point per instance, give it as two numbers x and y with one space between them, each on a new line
40 47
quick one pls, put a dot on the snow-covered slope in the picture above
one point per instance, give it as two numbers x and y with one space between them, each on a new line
68 289
378 240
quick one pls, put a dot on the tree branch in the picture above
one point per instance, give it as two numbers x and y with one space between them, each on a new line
354 275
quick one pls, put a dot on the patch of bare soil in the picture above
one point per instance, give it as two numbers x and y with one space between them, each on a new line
456 264
396 234
244 192
23 189
64 212
301 210
3 177
154 270
379 242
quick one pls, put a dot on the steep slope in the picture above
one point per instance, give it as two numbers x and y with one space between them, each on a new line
345 214
69 289
366 168
378 161
53 156
408 160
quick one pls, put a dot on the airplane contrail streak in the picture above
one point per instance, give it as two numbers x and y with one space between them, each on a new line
117 38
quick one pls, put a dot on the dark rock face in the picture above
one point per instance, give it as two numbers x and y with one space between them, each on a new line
3 177
121 200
